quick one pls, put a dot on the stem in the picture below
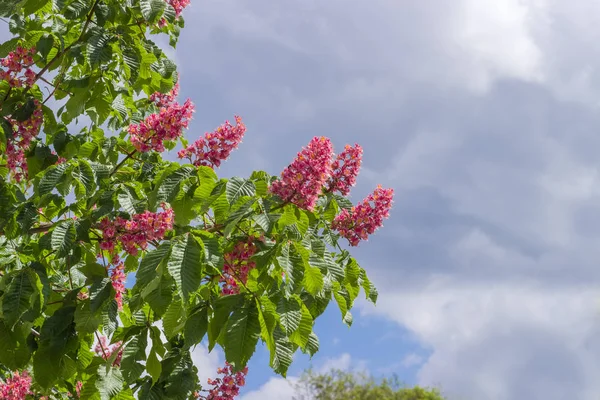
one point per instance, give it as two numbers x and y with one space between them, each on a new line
100 343
119 165
40 229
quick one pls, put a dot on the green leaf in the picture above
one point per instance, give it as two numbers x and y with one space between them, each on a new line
63 237
85 320
153 366
19 294
238 187
174 318
109 383
8 46
152 9
241 335
284 351
221 311
100 291
313 280
51 178
196 327
149 264
293 265
290 314
312 345
97 49
185 265
301 335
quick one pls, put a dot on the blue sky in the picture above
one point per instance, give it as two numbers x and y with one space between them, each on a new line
483 115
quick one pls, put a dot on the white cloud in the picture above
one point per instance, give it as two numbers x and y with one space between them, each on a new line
284 389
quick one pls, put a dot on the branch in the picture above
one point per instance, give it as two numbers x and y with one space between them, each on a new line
40 229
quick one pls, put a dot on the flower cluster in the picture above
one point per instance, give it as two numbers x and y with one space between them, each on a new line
135 233
215 146
364 219
117 277
17 63
237 265
164 99
16 387
179 5
227 387
105 350
345 169
168 124
302 181
22 135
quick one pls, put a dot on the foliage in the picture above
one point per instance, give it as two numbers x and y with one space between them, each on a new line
87 106
344 385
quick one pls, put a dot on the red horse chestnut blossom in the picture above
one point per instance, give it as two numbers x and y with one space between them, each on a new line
117 277
16 387
167 125
135 233
237 265
164 99
345 169
302 181
22 135
227 387
17 63
105 350
215 146
364 219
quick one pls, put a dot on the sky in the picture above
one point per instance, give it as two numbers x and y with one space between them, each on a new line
483 116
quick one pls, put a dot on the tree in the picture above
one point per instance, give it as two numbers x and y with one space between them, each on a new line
345 385
88 104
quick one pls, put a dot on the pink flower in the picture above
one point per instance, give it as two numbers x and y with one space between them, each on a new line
167 125
215 146
164 99
135 233
364 219
118 277
227 387
179 5
16 387
345 169
302 181
237 265
17 63
105 350
22 135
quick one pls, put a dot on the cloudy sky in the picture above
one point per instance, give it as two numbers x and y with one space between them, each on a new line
484 117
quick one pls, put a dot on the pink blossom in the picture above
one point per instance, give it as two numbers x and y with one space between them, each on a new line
117 277
179 5
216 146
237 265
302 181
167 125
18 63
105 350
16 387
22 135
135 233
364 219
345 169
227 387
164 99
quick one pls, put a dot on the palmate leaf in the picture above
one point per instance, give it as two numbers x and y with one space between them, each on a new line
241 335
185 265
51 178
290 314
284 352
238 187
149 263
152 9
63 237
19 295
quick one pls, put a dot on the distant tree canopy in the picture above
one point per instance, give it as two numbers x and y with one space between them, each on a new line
344 385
